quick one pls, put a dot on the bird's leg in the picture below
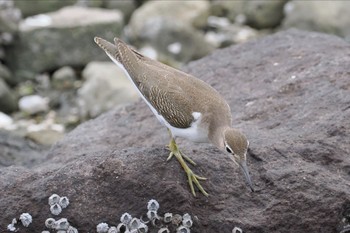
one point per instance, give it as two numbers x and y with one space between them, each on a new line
173 146
192 178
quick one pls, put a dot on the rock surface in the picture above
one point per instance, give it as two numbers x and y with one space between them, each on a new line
61 38
8 102
288 92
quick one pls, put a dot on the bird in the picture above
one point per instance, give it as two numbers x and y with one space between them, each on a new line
187 106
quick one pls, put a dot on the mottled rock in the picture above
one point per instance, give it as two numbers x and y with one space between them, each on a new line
9 17
125 6
5 74
324 16
45 137
289 93
8 102
106 86
6 122
61 38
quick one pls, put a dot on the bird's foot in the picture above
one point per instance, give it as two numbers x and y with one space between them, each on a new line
173 148
191 176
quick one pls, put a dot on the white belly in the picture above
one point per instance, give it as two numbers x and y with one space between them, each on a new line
193 133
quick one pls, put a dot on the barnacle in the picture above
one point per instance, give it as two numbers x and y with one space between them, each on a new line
113 230
153 205
72 230
122 227
177 219
186 216
26 219
237 230
61 231
45 232
143 228
134 223
62 224
163 230
152 214
54 199
55 209
102 228
133 231
125 218
63 202
168 217
183 229
11 227
187 222
50 223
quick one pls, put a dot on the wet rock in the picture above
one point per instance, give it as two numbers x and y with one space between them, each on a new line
169 27
63 78
289 93
61 38
106 86
32 104
325 16
8 101
29 8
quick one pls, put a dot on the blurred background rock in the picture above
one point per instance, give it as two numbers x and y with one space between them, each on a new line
53 76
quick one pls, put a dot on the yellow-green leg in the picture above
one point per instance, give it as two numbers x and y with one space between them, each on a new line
192 178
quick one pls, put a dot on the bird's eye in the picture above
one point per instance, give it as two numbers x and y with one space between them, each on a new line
228 150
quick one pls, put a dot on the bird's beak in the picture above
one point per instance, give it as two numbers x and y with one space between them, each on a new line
244 167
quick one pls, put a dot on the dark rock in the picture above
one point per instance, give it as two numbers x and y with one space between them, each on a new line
288 92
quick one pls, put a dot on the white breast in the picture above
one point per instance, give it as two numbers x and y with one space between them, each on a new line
193 133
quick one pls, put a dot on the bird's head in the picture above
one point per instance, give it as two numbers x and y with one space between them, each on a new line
236 145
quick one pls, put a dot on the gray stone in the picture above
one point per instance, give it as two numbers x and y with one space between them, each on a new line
171 24
8 102
45 137
324 16
64 38
29 8
264 14
106 86
63 78
289 93
164 34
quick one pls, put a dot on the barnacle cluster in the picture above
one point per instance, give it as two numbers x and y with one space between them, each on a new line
163 224
61 225
237 230
25 218
57 203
